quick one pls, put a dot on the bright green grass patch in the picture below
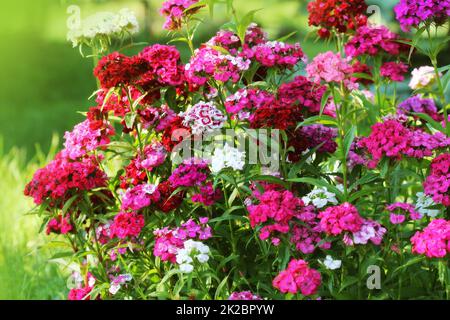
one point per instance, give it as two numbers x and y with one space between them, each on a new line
25 272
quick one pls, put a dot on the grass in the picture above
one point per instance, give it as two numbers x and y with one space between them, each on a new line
25 272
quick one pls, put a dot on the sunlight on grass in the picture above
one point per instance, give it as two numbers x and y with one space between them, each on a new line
25 272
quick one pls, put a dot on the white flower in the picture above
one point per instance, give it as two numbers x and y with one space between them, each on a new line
227 157
114 288
423 203
186 268
332 264
422 77
320 197
192 249
103 24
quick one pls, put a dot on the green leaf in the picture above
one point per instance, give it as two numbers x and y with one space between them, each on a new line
319 183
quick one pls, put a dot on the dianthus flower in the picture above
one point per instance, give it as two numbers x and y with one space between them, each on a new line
175 132
276 54
192 172
338 219
331 67
127 224
82 291
373 41
207 195
153 156
204 117
303 94
422 77
400 211
356 155
139 197
337 15
394 71
169 241
308 236
298 277
434 240
278 209
423 144
227 157
208 63
309 137
275 115
63 178
389 139
165 67
416 104
244 295
168 200
175 11
117 69
411 13
437 183
371 231
226 39
83 139
59 225
245 101
255 35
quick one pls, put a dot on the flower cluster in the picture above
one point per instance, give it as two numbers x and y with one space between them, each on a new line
434 240
127 225
338 219
276 54
209 63
192 172
275 210
169 241
84 138
204 117
303 94
62 178
298 277
337 15
244 295
394 71
227 157
373 41
175 11
422 77
245 101
140 197
59 225
320 197
438 182
412 13
103 25
399 212
331 67
192 249
416 104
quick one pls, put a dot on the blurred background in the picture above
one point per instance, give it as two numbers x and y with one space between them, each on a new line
44 82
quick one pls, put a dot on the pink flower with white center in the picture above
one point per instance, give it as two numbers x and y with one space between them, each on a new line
140 197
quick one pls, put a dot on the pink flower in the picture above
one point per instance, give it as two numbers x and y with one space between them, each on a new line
140 197
192 172
394 71
437 183
434 240
400 210
298 277
244 295
127 224
370 231
338 219
331 67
